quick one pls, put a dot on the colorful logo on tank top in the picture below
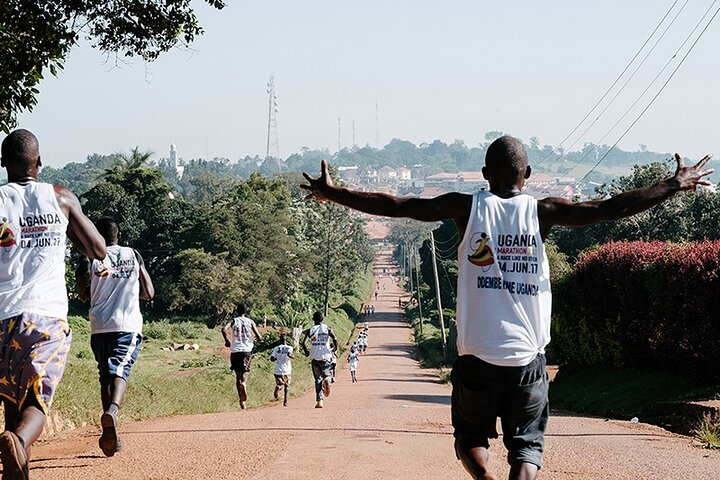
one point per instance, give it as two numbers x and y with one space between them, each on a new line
482 255
102 271
7 236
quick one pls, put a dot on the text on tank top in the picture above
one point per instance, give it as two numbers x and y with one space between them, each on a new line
504 298
32 251
320 337
115 292
242 340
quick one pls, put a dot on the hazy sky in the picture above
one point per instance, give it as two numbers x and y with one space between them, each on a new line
438 70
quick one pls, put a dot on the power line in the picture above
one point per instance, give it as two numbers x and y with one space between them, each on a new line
637 100
611 86
622 88
656 95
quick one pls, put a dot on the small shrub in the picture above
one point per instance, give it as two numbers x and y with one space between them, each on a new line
709 431
156 331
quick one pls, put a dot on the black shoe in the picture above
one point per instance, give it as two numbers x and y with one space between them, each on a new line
14 457
109 439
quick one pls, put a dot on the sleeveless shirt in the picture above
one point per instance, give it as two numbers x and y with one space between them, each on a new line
115 292
242 336
504 298
320 348
32 251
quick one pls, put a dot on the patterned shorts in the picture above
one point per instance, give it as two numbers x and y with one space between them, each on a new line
33 351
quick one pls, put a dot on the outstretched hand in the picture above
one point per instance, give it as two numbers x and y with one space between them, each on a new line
319 187
689 178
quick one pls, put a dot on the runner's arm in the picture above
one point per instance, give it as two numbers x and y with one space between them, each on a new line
225 331
558 211
82 279
256 332
444 207
81 230
303 342
334 339
147 289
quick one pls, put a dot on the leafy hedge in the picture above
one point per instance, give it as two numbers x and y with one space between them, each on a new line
641 304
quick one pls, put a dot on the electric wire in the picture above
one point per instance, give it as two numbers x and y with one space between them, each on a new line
637 100
622 88
642 113
612 85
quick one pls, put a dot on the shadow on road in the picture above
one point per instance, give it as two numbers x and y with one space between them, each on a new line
439 399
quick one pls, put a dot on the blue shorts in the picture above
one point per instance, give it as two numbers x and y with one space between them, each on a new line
482 392
115 353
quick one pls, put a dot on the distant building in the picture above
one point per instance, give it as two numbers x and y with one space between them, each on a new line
349 174
404 173
174 163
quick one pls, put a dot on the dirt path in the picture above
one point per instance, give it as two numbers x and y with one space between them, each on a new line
393 424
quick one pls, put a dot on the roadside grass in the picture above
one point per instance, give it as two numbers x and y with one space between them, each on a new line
623 393
708 431
179 382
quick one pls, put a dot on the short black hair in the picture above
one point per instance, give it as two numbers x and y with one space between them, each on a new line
108 228
20 146
506 156
317 317
242 309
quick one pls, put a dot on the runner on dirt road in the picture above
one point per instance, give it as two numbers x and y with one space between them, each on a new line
321 353
282 355
35 221
503 305
114 287
238 334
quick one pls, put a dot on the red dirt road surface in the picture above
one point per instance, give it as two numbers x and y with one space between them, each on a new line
393 424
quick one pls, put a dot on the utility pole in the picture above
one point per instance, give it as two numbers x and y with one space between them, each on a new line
417 275
377 128
272 130
339 134
411 261
437 294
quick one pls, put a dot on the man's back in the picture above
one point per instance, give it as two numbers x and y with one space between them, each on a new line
32 251
504 294
115 292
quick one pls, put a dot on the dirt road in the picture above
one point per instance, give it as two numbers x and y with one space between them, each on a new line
393 424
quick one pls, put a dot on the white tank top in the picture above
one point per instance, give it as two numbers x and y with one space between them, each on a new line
504 298
320 348
242 340
32 251
115 292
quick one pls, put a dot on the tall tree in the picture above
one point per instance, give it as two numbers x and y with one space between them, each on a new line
37 35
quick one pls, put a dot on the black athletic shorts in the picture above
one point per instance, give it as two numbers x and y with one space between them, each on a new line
240 361
482 392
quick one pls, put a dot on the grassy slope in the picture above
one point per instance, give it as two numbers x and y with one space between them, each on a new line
181 382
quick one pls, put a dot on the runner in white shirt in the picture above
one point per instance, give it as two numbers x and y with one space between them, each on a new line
114 287
353 361
282 355
321 352
504 313
238 334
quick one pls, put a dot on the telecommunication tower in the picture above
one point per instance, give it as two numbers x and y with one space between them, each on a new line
272 131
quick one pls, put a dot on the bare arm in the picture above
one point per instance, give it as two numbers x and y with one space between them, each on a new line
334 339
225 331
303 342
147 289
256 332
557 211
455 206
82 279
81 230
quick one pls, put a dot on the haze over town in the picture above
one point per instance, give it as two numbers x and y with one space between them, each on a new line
436 71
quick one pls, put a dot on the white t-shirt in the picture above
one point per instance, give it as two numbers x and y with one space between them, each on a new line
242 335
115 292
32 251
320 337
353 361
283 364
504 299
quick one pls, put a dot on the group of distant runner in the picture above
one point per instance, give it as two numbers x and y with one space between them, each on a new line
503 315
239 333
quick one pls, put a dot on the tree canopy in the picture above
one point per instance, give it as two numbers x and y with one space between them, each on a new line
37 35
